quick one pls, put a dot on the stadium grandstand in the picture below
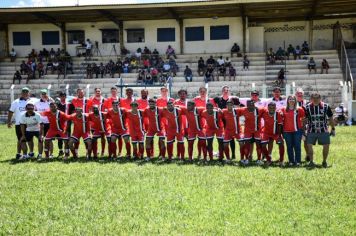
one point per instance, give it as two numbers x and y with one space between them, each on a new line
300 34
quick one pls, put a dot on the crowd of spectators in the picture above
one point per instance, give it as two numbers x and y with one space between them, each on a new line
281 55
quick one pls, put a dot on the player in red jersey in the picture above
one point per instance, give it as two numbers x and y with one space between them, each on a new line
182 103
163 99
57 127
202 99
155 127
100 128
134 118
126 102
143 100
196 128
99 101
252 128
174 130
81 130
118 129
272 131
214 127
232 128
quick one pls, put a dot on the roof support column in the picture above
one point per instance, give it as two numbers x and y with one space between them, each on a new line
121 35
63 36
7 43
310 36
244 23
181 39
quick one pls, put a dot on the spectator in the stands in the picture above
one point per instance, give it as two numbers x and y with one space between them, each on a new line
220 61
280 54
155 52
246 63
69 66
232 73
174 66
271 57
52 54
305 48
148 77
312 65
102 70
297 53
49 66
23 68
209 73
221 72
235 49
154 74
110 68
124 51
170 52
146 63
95 69
89 71
146 51
33 54
281 76
40 69
58 53
290 50
201 66
188 74
88 46
140 76
29 76
118 67
126 66
33 67
55 66
166 67
17 76
211 61
44 54
12 55
134 64
227 62
138 53
325 66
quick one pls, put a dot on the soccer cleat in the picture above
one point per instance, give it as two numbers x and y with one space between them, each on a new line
39 157
259 162
61 153
311 164
228 161
148 159
298 164
23 157
290 164
307 158
246 161
18 155
268 163
51 156
324 164
31 155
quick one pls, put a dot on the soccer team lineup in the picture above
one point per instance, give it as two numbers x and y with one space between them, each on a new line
127 126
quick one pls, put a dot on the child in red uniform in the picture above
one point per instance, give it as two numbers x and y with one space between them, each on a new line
182 102
116 115
174 130
81 130
214 127
155 127
271 131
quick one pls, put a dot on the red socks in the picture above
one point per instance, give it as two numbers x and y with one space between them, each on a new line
281 152
181 150
95 149
170 150
120 145
227 151
190 149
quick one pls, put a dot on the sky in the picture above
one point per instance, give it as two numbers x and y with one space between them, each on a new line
47 3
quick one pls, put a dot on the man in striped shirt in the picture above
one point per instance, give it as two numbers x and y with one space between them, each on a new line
318 114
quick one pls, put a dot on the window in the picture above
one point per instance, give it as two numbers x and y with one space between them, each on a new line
219 32
110 35
50 37
166 34
76 36
135 35
21 38
194 33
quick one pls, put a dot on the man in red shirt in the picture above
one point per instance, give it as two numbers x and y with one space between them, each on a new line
134 118
174 130
272 131
162 101
100 128
155 127
143 100
99 101
182 103
119 129
196 128
81 130
57 126
202 99
126 102
214 127
252 127
232 128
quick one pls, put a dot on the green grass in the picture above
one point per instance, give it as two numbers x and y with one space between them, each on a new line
135 198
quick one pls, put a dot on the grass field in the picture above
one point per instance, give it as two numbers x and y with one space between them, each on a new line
158 198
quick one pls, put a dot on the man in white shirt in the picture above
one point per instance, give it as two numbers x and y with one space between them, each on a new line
278 99
16 109
88 47
31 126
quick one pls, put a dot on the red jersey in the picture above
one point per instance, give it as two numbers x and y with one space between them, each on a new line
180 103
195 123
108 102
201 102
142 103
174 120
126 103
82 103
81 125
252 119
117 118
100 122
231 120
135 122
271 122
154 118
292 119
213 121
57 121
97 102
162 102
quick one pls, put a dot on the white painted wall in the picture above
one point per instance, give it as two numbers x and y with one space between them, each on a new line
256 39
208 45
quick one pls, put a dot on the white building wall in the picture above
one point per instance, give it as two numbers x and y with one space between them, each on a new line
211 46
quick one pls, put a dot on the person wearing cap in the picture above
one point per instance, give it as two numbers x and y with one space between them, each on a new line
16 109
119 129
318 115
100 128
174 129
81 130
272 131
340 117
31 126
278 99
42 105
134 118
153 115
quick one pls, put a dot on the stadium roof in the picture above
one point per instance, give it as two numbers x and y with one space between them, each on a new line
255 10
